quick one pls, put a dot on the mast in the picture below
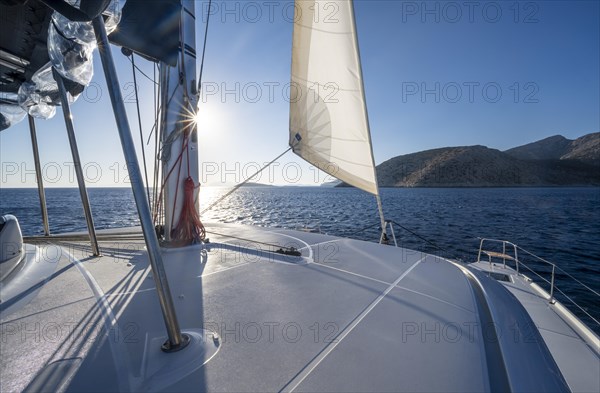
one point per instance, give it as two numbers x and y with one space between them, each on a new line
178 127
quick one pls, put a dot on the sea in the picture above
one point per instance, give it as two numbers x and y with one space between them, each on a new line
560 225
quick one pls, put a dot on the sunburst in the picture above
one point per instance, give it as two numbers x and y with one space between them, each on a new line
203 118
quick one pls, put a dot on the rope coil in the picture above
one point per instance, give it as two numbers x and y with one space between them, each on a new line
189 229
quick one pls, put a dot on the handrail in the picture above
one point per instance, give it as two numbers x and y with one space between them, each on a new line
518 263
504 255
563 272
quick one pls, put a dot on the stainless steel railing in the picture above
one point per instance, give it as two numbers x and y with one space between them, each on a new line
515 250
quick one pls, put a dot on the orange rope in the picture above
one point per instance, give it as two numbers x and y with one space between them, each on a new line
189 228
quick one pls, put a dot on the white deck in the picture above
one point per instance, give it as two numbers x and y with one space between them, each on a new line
346 316
575 349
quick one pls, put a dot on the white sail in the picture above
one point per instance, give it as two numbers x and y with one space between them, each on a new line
329 126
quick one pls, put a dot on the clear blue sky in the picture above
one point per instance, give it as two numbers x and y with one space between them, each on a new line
499 74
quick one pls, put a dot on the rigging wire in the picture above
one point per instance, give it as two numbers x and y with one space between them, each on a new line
154 91
157 161
160 151
178 160
185 131
139 116
289 249
187 101
181 67
165 143
199 88
234 189
160 110
418 236
132 236
378 225
192 213
142 72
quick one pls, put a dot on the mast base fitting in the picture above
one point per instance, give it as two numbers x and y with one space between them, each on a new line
170 348
385 240
289 251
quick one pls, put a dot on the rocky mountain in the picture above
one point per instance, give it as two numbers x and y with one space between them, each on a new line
586 149
554 161
333 183
251 184
552 148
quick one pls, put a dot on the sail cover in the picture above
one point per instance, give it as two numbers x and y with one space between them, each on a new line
328 119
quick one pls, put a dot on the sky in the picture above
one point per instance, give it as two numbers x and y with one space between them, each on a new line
436 74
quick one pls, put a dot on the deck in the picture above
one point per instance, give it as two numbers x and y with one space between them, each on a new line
574 347
345 316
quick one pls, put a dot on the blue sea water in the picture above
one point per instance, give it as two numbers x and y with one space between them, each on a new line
562 225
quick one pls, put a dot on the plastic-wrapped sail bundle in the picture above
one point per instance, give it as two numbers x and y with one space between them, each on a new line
71 44
71 58
83 32
10 112
40 96
36 104
70 48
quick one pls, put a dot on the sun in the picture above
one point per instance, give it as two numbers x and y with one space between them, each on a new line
206 119
202 118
